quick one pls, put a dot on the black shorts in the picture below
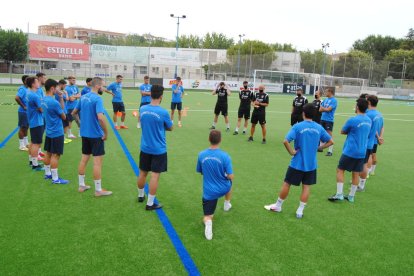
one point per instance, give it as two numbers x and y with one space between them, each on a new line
178 106
23 121
244 111
221 108
118 107
367 155
152 162
54 145
94 146
295 177
350 164
36 134
258 117
65 122
317 119
327 125
209 206
69 116
374 149
142 104
295 118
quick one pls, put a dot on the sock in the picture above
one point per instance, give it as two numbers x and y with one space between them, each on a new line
302 206
98 187
214 124
81 180
237 129
339 188
228 125
373 168
26 141
279 202
353 190
30 159
208 222
226 202
122 123
39 151
69 132
330 149
116 123
21 143
35 163
54 174
179 122
47 170
150 201
141 192
362 183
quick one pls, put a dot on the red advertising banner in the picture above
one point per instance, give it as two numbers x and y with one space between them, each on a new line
58 50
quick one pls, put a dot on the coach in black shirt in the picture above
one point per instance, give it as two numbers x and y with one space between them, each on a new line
297 107
222 91
245 96
259 101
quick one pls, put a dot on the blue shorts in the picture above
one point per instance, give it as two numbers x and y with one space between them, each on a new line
350 164
178 106
23 121
295 177
327 125
94 146
54 145
36 135
153 162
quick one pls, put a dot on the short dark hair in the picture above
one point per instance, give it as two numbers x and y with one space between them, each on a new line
30 81
146 78
309 110
88 80
96 81
178 78
157 91
71 77
62 81
221 83
362 105
40 74
24 77
245 82
330 89
119 76
50 83
363 95
373 100
215 137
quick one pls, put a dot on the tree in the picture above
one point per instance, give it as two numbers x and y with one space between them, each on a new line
401 64
217 41
408 42
191 41
377 46
101 39
285 47
355 64
312 62
13 45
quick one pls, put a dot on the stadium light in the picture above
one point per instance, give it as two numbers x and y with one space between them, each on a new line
238 56
324 46
176 43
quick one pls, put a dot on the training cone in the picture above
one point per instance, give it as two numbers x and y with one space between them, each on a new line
135 114
184 114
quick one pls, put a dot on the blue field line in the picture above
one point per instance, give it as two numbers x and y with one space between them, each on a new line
3 143
182 252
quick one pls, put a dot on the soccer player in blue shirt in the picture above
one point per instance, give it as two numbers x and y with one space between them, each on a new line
21 99
94 133
353 154
61 90
216 167
87 88
41 77
36 122
379 134
177 99
54 114
73 94
145 90
328 108
376 130
115 89
155 120
302 169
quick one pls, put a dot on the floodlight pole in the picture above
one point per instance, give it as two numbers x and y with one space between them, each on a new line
238 56
324 46
176 43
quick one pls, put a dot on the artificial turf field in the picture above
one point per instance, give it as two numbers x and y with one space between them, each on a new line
50 229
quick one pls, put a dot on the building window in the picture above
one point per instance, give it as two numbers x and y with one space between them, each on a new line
286 63
143 70
167 69
125 68
156 70
105 66
75 65
116 67
98 66
182 71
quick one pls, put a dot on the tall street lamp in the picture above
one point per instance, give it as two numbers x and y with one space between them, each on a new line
238 56
324 46
176 44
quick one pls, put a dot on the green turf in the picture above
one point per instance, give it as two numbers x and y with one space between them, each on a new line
53 230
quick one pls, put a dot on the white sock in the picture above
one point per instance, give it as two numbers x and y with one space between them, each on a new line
179 122
237 129
353 190
279 202
339 188
98 187
302 206
373 168
34 161
228 125
330 149
30 158
26 141
141 192
39 151
81 180
150 201
214 124
47 170
21 143
55 175
122 123
69 132
116 123
226 202
208 222
362 183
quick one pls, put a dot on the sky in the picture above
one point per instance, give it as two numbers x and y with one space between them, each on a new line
304 24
